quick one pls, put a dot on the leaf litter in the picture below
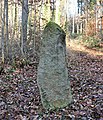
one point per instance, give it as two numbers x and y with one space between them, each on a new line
20 97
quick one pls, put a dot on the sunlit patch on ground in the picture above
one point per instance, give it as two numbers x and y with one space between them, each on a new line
74 45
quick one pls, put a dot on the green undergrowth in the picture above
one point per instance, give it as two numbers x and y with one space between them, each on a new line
91 42
75 36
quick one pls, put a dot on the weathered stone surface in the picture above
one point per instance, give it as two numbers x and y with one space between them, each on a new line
52 76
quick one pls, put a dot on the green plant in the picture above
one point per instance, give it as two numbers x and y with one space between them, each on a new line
73 35
91 41
76 36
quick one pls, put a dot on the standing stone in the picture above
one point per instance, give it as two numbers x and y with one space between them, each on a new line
52 77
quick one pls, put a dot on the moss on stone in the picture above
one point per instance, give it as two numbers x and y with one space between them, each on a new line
52 27
52 75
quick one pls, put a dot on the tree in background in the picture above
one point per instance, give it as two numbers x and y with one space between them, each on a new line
7 34
24 25
23 22
3 25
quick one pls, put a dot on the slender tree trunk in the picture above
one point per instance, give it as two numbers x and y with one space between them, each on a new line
7 34
78 6
73 25
81 24
34 32
77 28
40 14
53 10
101 29
0 23
24 25
30 25
12 35
57 14
3 25
81 27
96 19
86 12
15 20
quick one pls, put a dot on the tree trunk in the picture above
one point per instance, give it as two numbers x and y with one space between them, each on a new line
73 27
57 14
3 25
53 10
77 28
24 25
7 34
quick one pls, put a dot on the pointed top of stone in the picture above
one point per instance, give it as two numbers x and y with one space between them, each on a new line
53 28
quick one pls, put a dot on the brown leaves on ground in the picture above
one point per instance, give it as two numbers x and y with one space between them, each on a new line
20 98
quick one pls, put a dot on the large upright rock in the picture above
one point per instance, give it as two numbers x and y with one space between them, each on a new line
52 76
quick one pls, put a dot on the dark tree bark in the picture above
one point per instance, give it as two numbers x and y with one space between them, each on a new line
24 25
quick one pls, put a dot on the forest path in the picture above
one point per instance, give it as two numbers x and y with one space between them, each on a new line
85 67
74 45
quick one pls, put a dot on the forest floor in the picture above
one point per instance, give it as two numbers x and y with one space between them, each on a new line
20 98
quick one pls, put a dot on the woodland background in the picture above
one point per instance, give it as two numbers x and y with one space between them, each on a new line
22 23
21 26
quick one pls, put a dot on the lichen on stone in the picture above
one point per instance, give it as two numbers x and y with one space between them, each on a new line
52 75
53 27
